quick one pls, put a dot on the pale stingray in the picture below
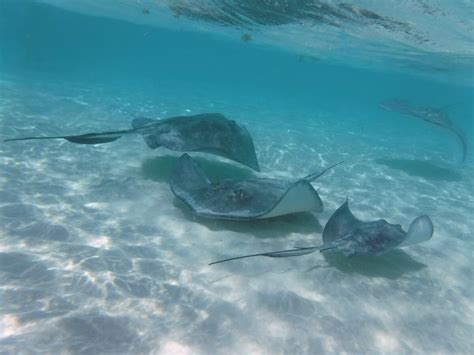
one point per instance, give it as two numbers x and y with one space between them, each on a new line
433 115
242 199
208 132
345 234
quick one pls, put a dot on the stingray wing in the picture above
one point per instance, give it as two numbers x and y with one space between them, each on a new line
186 178
421 229
341 224
300 197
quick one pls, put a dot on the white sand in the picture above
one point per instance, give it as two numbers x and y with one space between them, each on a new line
96 254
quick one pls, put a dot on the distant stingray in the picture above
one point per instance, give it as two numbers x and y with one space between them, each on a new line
345 234
425 169
208 132
436 116
246 199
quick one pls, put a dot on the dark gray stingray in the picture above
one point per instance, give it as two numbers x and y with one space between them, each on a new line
208 132
242 199
436 116
345 234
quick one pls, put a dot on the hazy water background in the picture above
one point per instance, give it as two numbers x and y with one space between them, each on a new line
96 255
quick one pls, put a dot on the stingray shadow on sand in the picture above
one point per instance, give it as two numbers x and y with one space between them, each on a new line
391 265
160 168
420 168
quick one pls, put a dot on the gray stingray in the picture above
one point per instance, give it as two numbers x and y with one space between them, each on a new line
345 234
207 132
248 199
433 115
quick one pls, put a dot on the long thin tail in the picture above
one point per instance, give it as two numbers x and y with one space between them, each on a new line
31 138
275 254
314 176
88 138
330 248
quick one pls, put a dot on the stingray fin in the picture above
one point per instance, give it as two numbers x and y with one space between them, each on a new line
151 141
340 224
421 229
274 254
314 176
299 197
145 126
88 138
188 175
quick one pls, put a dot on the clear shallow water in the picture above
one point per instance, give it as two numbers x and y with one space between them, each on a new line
98 256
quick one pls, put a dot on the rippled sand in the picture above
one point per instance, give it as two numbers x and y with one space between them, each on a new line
96 254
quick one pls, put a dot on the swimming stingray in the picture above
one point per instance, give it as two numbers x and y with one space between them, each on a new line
436 116
207 132
345 234
242 199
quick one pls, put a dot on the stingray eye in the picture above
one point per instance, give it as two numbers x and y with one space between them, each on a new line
238 194
234 194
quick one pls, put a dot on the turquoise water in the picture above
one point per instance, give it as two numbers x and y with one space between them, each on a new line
98 256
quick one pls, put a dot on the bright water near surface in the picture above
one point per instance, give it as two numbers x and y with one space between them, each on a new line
98 256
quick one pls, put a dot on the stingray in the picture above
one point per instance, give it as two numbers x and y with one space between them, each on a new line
208 132
433 115
346 234
247 199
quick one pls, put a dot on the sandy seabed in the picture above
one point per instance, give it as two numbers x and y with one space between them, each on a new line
97 255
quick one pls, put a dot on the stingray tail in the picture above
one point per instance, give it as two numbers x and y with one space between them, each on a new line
314 176
329 249
91 138
88 138
32 138
298 251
